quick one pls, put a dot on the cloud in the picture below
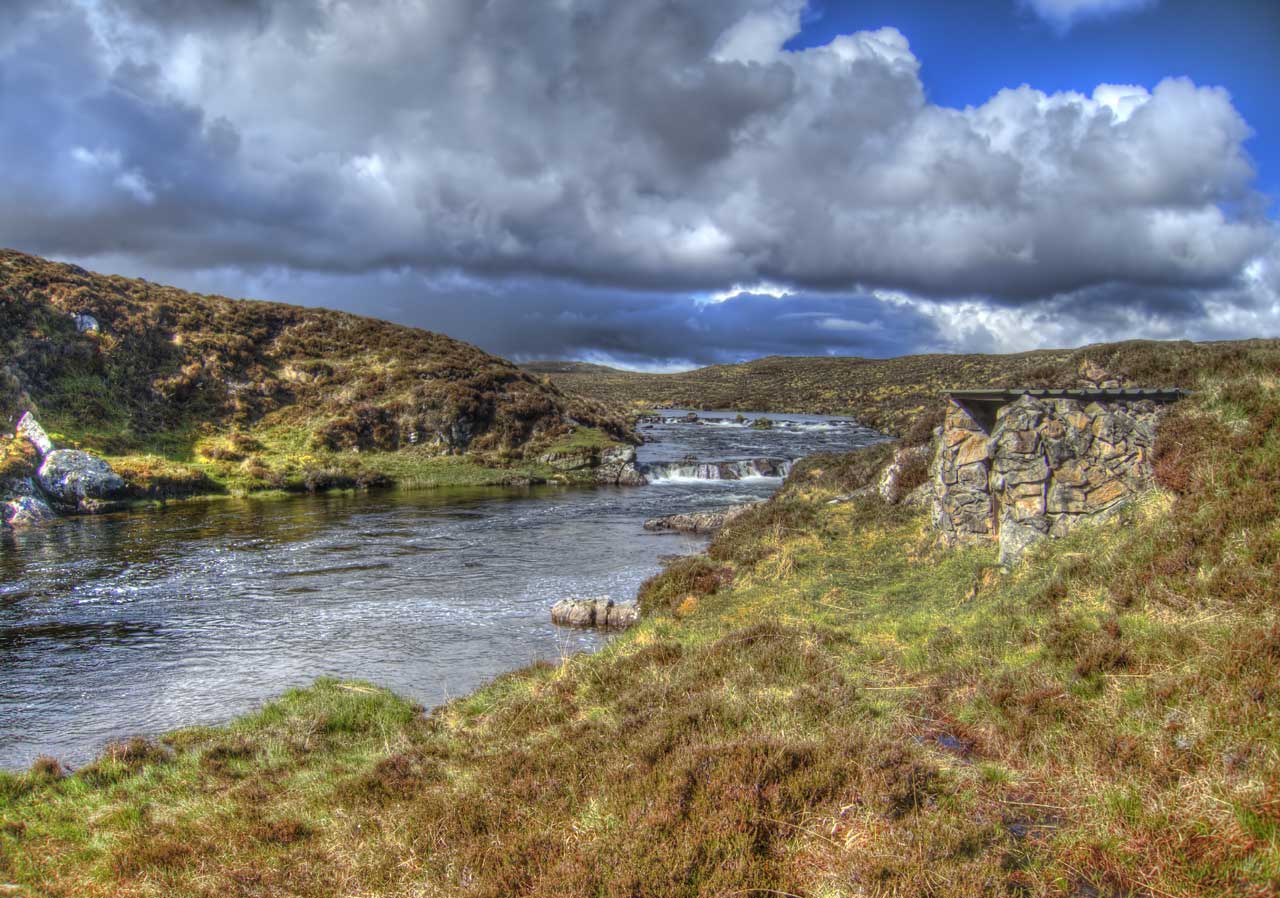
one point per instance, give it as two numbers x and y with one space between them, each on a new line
1063 14
543 319
645 149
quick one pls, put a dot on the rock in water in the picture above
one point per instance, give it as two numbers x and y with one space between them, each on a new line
77 479
618 465
698 521
30 430
600 612
24 511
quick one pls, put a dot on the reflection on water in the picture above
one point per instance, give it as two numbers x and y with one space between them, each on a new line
197 612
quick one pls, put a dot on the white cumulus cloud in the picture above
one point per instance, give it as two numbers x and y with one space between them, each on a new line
640 146
1065 13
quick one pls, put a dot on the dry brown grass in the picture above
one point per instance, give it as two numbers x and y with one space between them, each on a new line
196 379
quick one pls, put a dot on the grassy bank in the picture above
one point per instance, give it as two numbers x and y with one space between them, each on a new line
825 704
902 396
189 394
282 458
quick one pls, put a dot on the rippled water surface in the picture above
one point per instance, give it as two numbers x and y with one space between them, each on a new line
194 613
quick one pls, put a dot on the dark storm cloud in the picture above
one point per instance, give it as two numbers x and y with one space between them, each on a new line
618 148
638 330
536 319
187 13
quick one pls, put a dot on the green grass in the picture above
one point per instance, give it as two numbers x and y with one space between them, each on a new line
209 394
901 396
827 704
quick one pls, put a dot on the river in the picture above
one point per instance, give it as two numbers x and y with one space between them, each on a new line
196 612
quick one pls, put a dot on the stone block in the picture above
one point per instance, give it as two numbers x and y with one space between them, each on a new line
958 419
973 476
972 450
953 435
1106 451
1106 495
1017 442
1073 472
1079 420
1064 499
1026 508
1024 414
1021 490
1015 471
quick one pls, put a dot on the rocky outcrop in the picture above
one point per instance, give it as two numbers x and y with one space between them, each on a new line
618 466
67 480
76 480
612 465
600 612
698 521
30 430
901 478
1046 465
23 511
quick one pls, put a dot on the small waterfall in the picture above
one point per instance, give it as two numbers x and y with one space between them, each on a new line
658 472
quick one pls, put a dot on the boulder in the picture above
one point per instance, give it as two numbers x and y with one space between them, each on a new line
23 511
600 612
86 323
698 521
1015 537
77 479
618 466
30 430
896 479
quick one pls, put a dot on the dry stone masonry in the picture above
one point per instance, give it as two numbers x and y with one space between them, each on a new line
1015 467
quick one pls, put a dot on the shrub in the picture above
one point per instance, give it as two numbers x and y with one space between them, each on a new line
693 575
838 472
758 532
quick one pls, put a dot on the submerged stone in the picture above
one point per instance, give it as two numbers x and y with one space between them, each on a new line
698 521
23 511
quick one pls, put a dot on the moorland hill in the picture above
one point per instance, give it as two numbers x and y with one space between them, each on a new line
186 392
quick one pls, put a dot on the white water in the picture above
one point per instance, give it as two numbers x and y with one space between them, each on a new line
750 469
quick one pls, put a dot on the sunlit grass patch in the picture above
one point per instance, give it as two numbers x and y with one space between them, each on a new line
827 703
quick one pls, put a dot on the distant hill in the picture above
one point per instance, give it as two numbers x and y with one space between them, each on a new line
567 368
257 391
894 394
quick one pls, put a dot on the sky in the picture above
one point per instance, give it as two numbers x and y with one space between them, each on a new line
659 184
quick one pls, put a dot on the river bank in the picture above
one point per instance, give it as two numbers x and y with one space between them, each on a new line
825 702
127 623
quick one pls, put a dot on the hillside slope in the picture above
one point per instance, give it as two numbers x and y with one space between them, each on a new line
893 395
828 703
258 394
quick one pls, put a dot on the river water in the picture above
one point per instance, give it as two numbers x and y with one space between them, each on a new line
194 613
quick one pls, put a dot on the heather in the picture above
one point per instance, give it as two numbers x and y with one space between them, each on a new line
826 703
